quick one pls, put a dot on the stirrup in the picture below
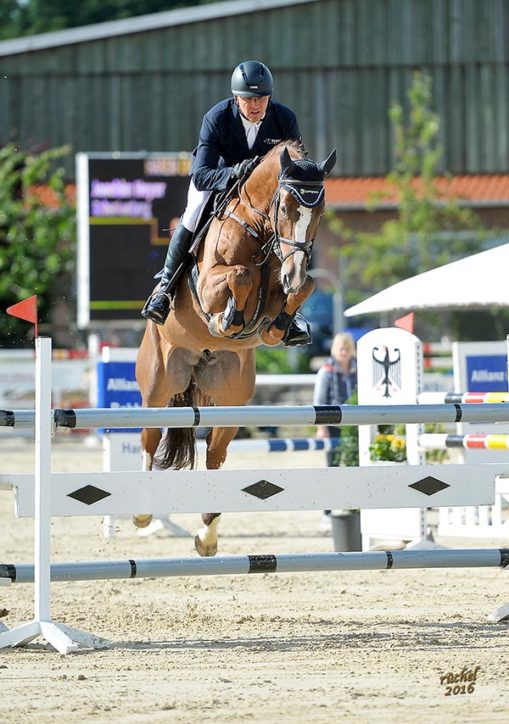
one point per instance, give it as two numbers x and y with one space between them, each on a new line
157 307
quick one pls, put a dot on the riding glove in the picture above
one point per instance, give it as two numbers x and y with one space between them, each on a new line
244 168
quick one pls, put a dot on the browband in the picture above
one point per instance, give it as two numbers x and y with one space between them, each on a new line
308 193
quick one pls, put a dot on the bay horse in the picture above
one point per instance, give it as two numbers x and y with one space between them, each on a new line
249 279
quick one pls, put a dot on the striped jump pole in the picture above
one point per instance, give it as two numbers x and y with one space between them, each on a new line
264 415
468 441
471 398
244 564
280 445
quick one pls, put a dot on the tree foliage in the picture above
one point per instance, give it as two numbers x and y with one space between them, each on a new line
21 17
431 227
37 242
422 235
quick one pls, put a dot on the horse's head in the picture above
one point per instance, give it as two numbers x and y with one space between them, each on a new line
298 205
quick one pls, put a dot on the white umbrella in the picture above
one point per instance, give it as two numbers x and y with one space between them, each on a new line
480 280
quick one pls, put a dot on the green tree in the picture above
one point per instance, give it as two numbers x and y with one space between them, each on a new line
431 227
37 243
26 17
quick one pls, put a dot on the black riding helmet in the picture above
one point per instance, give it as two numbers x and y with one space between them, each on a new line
252 78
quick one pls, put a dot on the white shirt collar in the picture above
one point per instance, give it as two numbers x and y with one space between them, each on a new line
251 130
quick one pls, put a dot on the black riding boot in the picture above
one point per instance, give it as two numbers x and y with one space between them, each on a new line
298 331
158 305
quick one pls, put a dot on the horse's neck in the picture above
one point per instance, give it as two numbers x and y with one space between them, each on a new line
262 184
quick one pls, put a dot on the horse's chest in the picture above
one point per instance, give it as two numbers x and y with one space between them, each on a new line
235 252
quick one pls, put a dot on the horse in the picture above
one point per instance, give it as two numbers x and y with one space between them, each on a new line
249 277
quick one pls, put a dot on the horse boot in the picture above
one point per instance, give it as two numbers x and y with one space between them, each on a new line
298 331
159 303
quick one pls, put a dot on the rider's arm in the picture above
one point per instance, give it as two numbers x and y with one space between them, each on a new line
293 132
287 122
206 174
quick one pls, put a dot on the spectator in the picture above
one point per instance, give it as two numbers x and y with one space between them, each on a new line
336 381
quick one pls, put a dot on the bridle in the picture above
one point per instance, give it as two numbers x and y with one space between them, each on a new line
307 193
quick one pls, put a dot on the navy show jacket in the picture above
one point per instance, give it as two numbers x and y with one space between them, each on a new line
223 143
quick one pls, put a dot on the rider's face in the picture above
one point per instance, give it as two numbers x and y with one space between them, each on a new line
254 107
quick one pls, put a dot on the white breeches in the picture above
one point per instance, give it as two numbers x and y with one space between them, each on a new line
196 201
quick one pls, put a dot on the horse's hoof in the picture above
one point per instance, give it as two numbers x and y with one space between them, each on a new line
270 339
233 318
142 520
214 326
204 550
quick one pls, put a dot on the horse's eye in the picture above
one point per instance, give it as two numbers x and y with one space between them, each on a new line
284 210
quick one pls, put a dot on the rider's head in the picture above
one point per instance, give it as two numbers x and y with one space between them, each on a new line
252 86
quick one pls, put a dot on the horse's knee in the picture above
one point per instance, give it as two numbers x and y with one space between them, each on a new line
240 283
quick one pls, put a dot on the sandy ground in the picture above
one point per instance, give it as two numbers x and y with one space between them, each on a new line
362 646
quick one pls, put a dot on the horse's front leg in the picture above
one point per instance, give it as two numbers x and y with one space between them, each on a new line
218 440
224 292
275 333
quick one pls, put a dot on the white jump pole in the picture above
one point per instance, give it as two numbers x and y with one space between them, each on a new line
264 563
263 415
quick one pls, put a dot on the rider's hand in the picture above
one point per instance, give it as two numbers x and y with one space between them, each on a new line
244 168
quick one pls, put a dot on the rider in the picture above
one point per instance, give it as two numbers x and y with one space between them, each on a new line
233 133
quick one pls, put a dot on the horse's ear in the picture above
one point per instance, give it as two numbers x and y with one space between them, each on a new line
286 161
329 163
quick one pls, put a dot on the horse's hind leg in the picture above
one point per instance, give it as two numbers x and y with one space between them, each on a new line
218 440
150 439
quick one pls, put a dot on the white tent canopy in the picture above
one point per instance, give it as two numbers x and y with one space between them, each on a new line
480 280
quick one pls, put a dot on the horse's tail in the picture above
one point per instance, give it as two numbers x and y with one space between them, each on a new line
178 447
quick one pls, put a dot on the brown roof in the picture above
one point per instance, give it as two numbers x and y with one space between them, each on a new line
355 191
475 190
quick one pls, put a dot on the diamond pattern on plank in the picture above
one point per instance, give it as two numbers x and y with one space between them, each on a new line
89 494
429 485
263 489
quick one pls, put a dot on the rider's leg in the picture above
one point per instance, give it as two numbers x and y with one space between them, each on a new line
158 305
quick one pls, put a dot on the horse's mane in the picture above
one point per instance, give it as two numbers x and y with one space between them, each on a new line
296 146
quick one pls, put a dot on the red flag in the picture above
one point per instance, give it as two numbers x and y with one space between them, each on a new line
27 310
406 322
